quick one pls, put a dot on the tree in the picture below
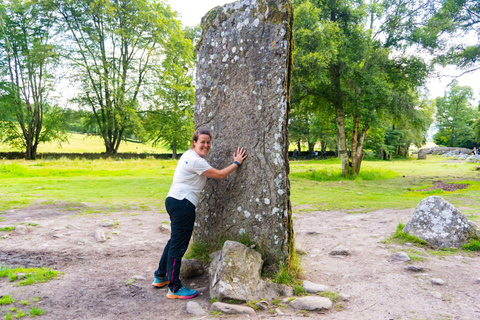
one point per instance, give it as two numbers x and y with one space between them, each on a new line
342 65
27 57
170 118
455 117
113 46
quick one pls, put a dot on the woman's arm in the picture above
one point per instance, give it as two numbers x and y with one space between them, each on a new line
238 157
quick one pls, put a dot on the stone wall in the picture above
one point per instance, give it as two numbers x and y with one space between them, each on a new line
242 94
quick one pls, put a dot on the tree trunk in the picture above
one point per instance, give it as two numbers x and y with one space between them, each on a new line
299 147
358 154
342 141
311 146
174 150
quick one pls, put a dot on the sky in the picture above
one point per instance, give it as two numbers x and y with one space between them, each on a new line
192 11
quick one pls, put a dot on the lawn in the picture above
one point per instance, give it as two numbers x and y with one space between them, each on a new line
79 143
315 184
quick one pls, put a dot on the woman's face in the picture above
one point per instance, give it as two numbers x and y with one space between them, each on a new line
202 145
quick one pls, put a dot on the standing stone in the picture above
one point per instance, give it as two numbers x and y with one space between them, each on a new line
422 154
242 95
442 225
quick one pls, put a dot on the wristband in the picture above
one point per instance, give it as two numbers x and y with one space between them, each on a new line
238 164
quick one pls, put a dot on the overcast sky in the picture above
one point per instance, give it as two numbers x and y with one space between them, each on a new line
192 11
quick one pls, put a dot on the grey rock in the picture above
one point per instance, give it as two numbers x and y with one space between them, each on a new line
195 309
437 295
401 256
137 277
414 268
345 297
107 224
311 287
279 312
165 228
235 274
231 308
191 268
422 154
438 282
311 303
20 230
442 225
21 275
262 305
340 252
242 81
100 236
57 235
477 281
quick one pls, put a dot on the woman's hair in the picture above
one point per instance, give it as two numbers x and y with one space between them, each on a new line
198 133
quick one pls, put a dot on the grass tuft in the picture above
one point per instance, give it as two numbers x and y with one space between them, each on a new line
36 312
473 245
6 300
32 275
402 237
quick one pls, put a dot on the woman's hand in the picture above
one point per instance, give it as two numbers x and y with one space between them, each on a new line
240 155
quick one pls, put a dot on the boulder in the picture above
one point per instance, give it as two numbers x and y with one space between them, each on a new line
235 274
191 268
422 154
20 230
442 225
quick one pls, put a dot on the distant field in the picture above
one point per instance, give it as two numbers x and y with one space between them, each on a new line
79 143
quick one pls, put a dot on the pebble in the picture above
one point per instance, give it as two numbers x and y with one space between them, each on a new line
345 297
311 287
279 312
401 256
139 277
20 229
311 303
414 268
437 295
477 281
56 235
340 252
438 282
231 308
165 228
107 224
262 305
195 309
100 236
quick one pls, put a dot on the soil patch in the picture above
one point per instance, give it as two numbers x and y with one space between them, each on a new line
446 186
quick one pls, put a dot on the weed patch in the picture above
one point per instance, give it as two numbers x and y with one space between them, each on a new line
6 300
473 245
402 237
29 275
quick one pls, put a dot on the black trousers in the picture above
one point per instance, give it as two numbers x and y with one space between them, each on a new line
182 217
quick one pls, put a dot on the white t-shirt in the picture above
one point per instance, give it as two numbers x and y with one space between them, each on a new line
187 179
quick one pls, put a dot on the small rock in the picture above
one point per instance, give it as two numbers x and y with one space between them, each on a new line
21 275
401 256
312 233
262 305
202 289
81 242
408 244
438 282
414 268
385 221
340 252
311 303
100 236
231 308
191 268
192 285
311 287
477 281
139 278
279 312
165 228
345 297
195 309
107 224
56 235
5 236
20 230
437 295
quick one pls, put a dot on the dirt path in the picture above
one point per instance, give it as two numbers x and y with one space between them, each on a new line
95 275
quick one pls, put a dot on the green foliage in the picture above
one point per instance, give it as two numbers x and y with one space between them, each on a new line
6 300
455 116
336 175
8 316
198 250
402 237
32 275
298 290
334 296
7 229
473 245
20 314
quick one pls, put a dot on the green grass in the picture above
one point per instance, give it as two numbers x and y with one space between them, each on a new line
399 236
31 275
473 245
34 312
8 229
79 143
6 300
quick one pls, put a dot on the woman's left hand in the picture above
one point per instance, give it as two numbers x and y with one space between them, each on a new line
240 155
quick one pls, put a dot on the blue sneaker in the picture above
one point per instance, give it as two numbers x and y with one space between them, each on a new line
160 282
183 293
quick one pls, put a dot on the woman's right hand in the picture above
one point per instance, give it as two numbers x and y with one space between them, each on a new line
240 155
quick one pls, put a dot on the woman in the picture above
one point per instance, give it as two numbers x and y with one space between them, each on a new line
188 181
